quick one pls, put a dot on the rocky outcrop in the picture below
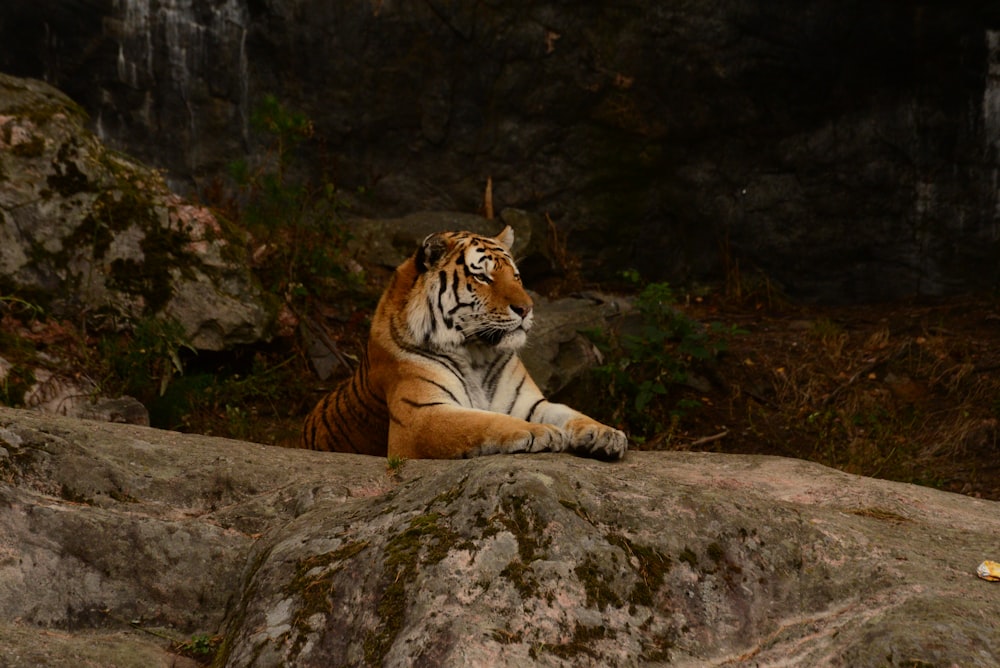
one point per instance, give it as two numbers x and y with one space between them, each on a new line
85 230
63 394
315 559
847 151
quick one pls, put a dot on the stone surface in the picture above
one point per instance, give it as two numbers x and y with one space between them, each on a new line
84 229
847 151
59 394
315 559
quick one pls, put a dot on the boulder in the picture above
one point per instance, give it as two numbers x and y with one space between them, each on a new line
389 241
86 230
61 394
315 559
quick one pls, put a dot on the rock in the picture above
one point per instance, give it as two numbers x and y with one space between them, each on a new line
126 410
84 229
558 351
56 393
389 241
310 558
846 152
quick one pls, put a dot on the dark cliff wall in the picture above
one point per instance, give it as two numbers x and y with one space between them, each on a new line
847 149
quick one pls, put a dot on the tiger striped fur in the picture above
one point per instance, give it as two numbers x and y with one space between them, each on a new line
441 377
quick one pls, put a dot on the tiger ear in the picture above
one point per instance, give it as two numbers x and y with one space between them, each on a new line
506 237
431 250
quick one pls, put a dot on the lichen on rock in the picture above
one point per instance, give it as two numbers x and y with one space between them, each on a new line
86 230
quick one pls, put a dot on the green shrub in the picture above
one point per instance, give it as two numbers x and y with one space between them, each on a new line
143 363
295 220
651 355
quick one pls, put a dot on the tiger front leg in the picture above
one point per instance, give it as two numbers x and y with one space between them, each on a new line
449 432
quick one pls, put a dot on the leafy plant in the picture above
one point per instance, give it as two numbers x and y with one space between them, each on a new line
394 465
231 398
295 220
14 384
652 354
201 647
20 307
143 363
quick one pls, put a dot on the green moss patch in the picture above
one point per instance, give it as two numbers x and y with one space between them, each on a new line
594 580
424 543
578 645
313 582
652 566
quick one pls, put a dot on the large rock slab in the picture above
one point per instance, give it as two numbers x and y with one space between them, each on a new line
313 559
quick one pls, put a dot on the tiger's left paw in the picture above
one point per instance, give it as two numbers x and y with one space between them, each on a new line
593 439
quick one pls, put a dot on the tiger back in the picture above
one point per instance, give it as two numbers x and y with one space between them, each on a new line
441 377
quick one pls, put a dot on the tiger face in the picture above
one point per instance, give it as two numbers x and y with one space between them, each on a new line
468 292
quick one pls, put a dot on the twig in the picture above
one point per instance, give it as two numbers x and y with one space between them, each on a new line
331 345
488 199
709 439
137 625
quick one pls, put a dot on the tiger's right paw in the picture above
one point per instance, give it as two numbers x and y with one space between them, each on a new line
533 438
546 438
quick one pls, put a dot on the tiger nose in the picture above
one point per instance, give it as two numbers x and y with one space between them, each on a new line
521 310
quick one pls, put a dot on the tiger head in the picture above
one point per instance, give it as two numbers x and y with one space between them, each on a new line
468 292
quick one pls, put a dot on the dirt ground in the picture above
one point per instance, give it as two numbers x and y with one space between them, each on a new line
904 391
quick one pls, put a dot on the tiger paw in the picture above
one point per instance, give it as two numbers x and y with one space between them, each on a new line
591 438
543 438
534 438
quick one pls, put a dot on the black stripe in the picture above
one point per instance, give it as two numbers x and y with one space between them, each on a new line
517 393
434 322
446 362
422 404
442 288
342 415
312 441
319 416
444 389
443 278
366 384
531 412
361 399
460 305
496 367
354 411
339 431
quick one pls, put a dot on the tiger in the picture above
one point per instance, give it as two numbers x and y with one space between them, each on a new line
441 377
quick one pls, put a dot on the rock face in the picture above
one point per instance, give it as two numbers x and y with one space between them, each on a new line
849 152
85 230
315 559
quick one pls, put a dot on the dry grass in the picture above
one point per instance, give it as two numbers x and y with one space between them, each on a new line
906 392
